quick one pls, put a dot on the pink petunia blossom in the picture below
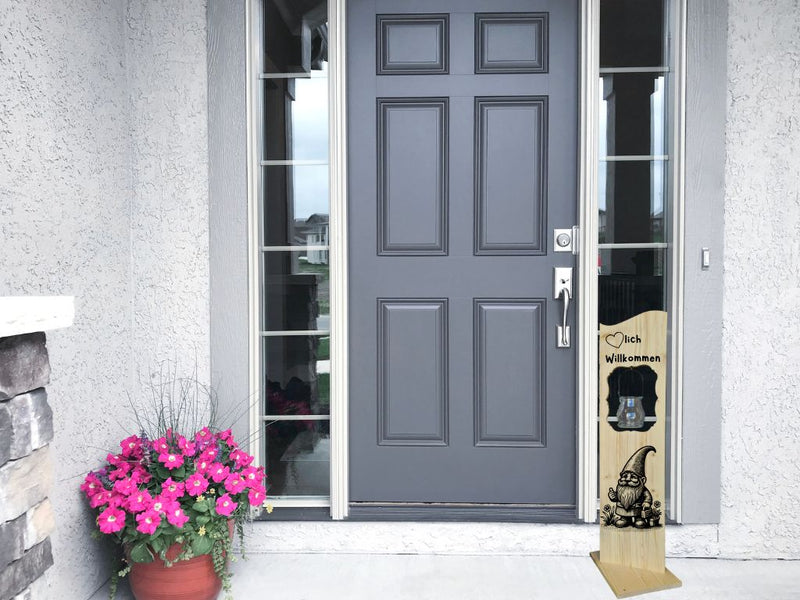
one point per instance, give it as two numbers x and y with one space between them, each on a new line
186 447
173 489
122 470
234 483
203 435
148 521
209 454
241 458
111 520
140 475
176 516
117 500
196 484
218 472
225 505
161 503
253 476
160 445
256 496
100 498
139 501
202 465
131 447
225 435
126 487
91 485
170 460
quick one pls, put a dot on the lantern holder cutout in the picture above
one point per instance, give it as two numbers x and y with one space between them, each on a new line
632 398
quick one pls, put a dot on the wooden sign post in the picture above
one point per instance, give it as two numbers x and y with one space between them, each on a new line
633 375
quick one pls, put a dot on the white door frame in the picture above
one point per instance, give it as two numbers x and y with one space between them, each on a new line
587 200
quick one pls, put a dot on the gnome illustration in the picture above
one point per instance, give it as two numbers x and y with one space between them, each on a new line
634 500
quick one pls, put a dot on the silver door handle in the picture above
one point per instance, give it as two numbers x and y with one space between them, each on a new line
562 289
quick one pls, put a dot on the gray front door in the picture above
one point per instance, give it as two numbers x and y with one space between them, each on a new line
462 133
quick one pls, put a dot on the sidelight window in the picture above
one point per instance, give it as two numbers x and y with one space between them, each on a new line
294 283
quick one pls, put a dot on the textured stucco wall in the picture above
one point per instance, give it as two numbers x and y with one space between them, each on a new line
167 84
761 334
65 194
103 195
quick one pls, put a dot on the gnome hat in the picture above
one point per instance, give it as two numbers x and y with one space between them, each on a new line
635 463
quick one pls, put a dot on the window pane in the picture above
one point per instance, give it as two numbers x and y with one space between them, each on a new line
296 291
297 375
632 114
299 456
296 118
295 35
296 205
630 282
631 33
631 201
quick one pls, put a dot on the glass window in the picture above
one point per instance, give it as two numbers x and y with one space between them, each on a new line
634 146
295 243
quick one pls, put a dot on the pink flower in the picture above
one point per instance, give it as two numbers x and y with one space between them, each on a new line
241 458
170 460
188 448
173 489
225 435
117 501
126 487
209 453
161 503
140 475
111 520
148 521
91 485
196 484
234 483
131 447
122 470
253 476
160 445
203 435
139 501
256 496
218 472
202 465
100 498
225 505
176 516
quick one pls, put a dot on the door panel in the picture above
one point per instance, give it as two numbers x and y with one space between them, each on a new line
462 159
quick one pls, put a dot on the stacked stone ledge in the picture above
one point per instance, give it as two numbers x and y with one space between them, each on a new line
26 429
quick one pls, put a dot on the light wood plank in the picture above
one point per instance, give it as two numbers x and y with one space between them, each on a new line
628 581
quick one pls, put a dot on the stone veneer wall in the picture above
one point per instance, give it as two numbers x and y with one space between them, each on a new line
26 429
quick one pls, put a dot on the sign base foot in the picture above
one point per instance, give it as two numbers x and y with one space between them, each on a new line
627 581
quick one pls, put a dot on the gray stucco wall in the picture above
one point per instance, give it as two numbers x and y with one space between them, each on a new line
761 314
103 195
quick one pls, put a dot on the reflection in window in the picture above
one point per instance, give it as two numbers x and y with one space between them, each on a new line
295 290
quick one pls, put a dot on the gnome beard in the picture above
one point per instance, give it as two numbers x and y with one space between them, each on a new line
627 494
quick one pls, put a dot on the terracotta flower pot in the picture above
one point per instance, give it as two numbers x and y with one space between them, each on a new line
192 579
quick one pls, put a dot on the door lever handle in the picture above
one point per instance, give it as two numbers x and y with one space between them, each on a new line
562 290
563 342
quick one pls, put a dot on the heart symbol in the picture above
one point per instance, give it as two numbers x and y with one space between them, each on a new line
615 339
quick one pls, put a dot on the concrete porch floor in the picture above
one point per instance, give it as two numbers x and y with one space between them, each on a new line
448 577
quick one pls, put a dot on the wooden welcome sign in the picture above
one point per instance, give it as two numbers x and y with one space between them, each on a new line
632 386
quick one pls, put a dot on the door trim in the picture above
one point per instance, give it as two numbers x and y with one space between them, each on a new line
340 457
587 389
